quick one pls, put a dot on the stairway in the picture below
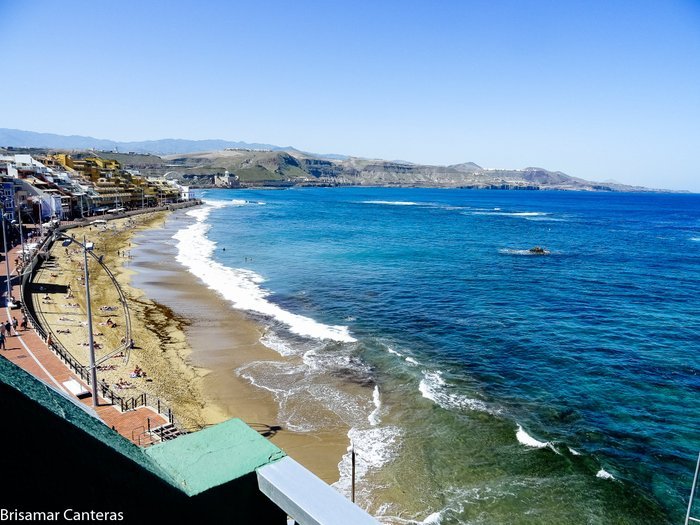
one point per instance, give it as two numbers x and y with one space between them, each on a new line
166 432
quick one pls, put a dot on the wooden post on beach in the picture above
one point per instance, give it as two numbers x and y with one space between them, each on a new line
351 449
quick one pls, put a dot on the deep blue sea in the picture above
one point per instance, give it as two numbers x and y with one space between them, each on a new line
482 383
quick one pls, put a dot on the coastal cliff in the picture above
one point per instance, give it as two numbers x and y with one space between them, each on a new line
291 167
246 167
207 164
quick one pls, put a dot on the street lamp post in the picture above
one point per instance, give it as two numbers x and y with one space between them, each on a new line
41 223
93 369
21 231
8 298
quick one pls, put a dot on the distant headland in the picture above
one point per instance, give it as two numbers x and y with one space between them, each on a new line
220 163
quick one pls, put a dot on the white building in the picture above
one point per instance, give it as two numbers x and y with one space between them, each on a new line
186 193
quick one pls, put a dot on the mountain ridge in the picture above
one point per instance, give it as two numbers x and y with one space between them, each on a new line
196 161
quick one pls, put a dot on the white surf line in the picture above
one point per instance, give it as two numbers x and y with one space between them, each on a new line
55 381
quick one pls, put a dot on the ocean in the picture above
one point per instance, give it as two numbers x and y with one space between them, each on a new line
481 383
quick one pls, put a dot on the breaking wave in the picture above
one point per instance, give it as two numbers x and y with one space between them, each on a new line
395 203
434 387
239 286
529 441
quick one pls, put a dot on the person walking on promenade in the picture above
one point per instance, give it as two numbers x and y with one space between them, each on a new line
2 341
14 323
2 329
8 328
24 322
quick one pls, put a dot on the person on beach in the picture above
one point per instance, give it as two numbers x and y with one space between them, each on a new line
2 341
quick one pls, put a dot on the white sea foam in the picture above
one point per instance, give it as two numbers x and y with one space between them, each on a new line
308 401
412 361
454 499
203 212
434 519
434 387
271 340
574 452
696 239
395 203
545 219
604 474
287 383
245 374
527 214
385 513
235 202
392 351
241 287
529 441
374 448
373 418
350 408
524 214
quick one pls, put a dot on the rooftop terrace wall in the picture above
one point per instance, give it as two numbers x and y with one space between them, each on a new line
55 455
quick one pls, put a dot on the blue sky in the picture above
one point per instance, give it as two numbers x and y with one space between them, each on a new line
598 89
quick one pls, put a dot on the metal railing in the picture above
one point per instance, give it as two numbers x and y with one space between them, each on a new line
144 437
124 403
138 211
45 332
126 346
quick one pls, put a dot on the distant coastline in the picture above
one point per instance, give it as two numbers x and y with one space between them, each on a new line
217 163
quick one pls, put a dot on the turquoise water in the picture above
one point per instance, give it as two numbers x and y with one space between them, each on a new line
493 385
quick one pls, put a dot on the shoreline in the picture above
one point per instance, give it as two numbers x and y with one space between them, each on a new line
189 340
429 443
222 340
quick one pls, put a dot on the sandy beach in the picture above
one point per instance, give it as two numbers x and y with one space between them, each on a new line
189 349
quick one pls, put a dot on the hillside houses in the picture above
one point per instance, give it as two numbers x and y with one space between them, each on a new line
68 187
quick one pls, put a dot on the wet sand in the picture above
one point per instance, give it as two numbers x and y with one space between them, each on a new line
223 340
189 341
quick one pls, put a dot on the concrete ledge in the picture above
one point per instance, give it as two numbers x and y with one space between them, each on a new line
306 498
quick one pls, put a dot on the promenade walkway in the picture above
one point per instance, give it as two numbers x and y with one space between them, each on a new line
26 349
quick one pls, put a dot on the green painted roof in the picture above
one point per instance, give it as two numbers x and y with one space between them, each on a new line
213 456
